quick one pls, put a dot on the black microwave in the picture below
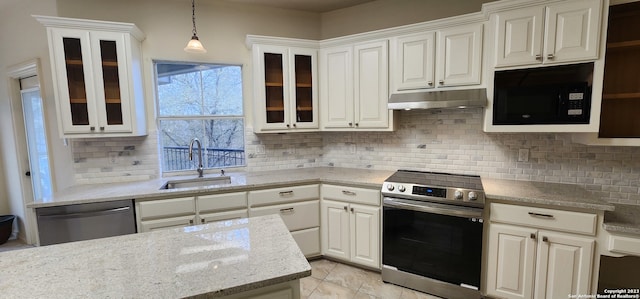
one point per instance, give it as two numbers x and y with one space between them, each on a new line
544 95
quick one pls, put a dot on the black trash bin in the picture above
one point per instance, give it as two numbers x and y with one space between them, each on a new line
6 227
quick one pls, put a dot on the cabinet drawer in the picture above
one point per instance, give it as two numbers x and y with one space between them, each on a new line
282 195
166 207
624 245
308 240
574 222
167 223
222 202
296 216
351 194
220 216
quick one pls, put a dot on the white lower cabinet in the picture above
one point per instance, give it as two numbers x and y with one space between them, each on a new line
351 231
166 223
299 208
527 262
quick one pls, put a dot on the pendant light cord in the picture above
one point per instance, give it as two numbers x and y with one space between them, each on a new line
193 16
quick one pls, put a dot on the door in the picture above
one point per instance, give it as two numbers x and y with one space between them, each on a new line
74 80
365 235
459 56
519 36
413 62
371 85
510 271
111 77
335 229
36 135
564 265
273 94
304 88
336 93
572 31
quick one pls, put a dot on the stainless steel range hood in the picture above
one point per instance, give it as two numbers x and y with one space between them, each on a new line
439 99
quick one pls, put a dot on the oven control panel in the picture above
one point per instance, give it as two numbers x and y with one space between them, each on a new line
415 191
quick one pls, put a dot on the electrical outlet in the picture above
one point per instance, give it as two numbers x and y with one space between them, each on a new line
352 148
523 155
113 157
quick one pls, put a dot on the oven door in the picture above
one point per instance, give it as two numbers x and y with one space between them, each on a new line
437 241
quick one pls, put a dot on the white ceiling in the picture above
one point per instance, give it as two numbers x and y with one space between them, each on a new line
306 5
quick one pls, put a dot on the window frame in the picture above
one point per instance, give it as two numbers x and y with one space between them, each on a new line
201 117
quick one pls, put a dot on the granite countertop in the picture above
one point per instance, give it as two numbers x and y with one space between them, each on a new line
554 194
625 219
211 260
240 181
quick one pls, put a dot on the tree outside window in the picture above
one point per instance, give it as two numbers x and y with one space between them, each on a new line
201 101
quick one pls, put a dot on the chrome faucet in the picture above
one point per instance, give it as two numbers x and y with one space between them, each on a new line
200 169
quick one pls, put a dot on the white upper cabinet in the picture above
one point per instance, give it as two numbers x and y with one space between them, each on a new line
354 87
286 95
561 32
449 57
97 77
413 58
459 56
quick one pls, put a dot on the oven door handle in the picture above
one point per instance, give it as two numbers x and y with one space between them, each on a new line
434 208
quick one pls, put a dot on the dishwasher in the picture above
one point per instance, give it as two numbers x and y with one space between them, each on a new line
79 222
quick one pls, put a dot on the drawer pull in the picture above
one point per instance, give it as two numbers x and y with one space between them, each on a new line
532 236
286 193
532 214
287 210
347 192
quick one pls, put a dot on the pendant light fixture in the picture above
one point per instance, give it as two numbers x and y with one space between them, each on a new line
194 45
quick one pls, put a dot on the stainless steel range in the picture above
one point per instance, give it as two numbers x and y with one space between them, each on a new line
432 232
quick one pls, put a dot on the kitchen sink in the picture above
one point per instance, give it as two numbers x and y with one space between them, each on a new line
198 182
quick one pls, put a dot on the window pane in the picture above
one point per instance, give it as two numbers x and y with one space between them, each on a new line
225 142
175 136
179 90
222 90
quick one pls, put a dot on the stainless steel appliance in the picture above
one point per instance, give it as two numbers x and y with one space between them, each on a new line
85 221
545 95
432 232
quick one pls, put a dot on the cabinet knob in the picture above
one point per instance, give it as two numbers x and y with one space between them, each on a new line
346 209
294 125
430 83
202 221
538 57
288 126
191 222
532 236
350 124
545 239
441 82
92 128
101 128
357 124
550 56
352 210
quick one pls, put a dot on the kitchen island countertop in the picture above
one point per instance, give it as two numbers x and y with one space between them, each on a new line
211 260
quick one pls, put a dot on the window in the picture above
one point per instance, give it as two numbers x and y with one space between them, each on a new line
201 101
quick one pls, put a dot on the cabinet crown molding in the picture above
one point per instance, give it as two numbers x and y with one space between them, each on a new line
280 41
84 24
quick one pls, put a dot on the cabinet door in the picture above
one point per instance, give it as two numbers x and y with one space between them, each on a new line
412 62
272 99
564 265
519 36
335 229
73 79
459 55
304 88
336 87
371 85
572 31
112 82
167 223
511 255
365 235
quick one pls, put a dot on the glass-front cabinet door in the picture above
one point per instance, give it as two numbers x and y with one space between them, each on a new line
287 96
111 73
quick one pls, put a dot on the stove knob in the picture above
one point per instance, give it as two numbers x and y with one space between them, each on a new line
473 195
401 188
458 194
390 187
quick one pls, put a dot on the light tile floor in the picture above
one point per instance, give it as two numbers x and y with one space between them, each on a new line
330 279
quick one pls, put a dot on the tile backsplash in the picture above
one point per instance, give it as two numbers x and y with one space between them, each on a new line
434 140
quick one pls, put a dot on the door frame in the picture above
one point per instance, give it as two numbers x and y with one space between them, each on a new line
27 224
